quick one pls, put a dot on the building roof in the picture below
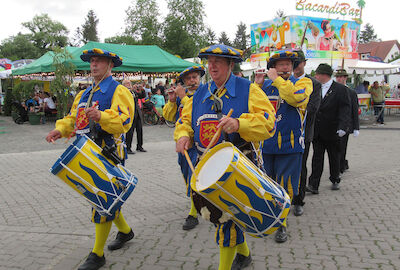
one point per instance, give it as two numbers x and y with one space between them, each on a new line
378 48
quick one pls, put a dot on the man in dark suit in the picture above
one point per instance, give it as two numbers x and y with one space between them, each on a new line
330 125
354 124
312 108
137 122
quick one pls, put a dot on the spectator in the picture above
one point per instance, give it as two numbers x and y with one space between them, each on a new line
158 101
161 87
147 90
137 120
48 103
354 123
378 93
362 88
331 123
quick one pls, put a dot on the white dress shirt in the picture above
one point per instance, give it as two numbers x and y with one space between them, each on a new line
325 87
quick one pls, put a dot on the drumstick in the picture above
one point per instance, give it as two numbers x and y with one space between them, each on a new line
216 136
189 161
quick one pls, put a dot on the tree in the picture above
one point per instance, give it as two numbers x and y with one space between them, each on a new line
368 34
89 28
210 38
184 29
122 39
361 5
18 47
241 38
61 85
46 33
142 22
223 39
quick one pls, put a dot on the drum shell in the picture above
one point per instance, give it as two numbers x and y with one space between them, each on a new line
105 185
243 187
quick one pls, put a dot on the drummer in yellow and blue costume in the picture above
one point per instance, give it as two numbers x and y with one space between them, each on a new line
190 77
282 154
253 120
111 118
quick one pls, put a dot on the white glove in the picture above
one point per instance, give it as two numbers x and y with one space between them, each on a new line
356 133
341 133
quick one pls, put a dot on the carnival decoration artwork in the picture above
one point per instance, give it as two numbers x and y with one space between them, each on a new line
323 38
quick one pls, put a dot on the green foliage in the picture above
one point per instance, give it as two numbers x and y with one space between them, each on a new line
184 29
89 28
142 22
368 34
46 33
18 47
241 39
9 98
25 89
61 85
223 39
210 38
122 39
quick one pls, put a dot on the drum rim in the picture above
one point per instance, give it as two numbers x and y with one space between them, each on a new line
200 164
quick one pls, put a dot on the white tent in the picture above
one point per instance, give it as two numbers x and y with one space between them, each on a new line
373 68
5 73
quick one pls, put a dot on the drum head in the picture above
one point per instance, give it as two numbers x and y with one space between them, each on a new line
214 167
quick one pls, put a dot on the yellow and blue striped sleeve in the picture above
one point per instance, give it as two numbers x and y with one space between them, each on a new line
169 111
183 127
259 123
67 125
296 95
118 119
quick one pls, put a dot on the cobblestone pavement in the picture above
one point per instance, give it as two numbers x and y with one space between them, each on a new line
46 225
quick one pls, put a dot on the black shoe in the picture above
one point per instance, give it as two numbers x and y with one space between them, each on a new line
312 190
241 262
335 186
140 149
298 210
130 152
190 223
93 262
120 240
281 235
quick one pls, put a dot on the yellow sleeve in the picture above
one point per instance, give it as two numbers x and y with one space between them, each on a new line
259 123
296 95
183 127
118 119
169 111
185 99
67 125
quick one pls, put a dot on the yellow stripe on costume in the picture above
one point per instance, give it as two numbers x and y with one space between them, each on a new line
233 235
290 187
279 140
292 138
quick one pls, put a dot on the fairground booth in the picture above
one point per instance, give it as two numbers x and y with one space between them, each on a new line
322 39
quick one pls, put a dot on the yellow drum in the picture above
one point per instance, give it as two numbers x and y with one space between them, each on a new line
229 180
103 183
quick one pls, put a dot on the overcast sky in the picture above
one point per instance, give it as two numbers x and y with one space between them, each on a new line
220 15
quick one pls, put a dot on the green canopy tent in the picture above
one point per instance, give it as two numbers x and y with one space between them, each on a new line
144 58
135 58
42 64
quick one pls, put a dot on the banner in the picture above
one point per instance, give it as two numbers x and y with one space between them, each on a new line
324 38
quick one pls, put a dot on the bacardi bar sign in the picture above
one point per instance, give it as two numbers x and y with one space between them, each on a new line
343 9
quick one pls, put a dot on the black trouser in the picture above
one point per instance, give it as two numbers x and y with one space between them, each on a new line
137 123
343 150
379 111
333 149
299 199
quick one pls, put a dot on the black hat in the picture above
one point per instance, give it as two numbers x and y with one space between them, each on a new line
341 72
324 69
300 58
